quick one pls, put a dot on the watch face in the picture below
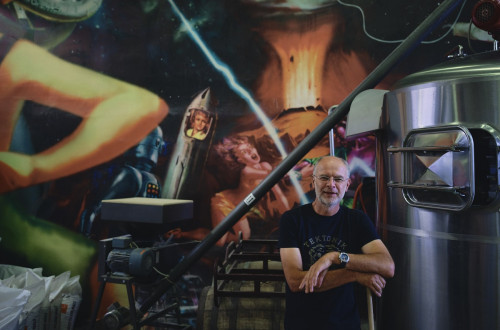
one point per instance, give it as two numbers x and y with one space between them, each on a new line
344 257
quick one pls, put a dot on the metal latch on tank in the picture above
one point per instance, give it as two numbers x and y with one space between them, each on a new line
450 168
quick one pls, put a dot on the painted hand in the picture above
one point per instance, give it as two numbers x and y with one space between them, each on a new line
15 171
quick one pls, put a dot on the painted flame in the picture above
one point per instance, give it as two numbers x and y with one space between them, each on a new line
302 56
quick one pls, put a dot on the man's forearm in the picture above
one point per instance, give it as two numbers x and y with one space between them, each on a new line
378 263
339 277
336 278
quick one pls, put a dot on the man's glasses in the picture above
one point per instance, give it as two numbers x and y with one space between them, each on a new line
326 178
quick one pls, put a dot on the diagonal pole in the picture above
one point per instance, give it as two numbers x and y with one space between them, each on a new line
403 49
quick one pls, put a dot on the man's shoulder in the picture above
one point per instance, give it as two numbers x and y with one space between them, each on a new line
349 210
353 214
297 214
299 210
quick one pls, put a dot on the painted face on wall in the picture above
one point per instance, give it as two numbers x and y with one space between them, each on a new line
247 154
200 121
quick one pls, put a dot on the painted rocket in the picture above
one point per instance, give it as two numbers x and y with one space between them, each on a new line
191 150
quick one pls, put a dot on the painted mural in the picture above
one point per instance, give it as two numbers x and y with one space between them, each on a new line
194 100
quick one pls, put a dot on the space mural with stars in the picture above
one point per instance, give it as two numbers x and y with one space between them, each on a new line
215 94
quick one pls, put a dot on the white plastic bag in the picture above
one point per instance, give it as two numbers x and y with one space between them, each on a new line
8 281
9 270
55 299
12 302
30 318
29 301
45 306
71 299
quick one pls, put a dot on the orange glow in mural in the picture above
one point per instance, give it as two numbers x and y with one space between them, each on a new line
308 64
302 52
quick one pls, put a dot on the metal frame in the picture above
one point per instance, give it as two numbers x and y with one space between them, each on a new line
227 270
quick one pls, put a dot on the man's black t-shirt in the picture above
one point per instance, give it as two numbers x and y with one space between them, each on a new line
315 235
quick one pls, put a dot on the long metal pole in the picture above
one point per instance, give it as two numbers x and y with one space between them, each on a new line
307 144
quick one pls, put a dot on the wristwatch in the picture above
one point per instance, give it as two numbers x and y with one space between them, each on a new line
344 258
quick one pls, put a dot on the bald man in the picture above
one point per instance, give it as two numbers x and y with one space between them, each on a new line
325 248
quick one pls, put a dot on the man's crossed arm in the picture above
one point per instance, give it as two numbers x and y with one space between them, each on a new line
370 269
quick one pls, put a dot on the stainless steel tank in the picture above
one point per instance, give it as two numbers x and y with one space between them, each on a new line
438 197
